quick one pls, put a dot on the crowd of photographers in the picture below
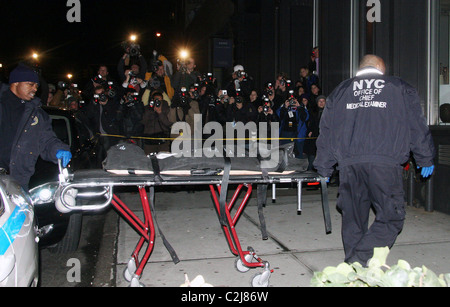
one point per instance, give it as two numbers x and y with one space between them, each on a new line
151 96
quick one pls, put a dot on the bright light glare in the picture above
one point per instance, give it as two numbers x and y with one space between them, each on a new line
133 38
35 55
184 54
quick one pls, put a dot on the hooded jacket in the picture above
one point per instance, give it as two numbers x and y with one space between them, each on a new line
35 137
373 119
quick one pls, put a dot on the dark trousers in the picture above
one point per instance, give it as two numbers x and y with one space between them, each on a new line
366 186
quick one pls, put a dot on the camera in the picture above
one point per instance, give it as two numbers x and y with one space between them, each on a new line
267 105
100 98
212 100
184 98
132 49
206 78
182 64
130 99
65 85
154 83
155 103
99 80
110 89
195 94
238 98
241 74
291 99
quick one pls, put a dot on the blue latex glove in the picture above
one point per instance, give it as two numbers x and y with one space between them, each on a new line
65 156
427 171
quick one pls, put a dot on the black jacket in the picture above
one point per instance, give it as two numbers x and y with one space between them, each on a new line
373 119
34 138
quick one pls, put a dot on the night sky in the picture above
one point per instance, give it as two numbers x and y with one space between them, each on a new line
78 48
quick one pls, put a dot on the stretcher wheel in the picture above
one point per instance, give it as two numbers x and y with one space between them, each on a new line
135 283
261 280
240 266
129 270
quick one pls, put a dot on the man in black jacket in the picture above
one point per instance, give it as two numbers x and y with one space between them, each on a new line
369 127
25 129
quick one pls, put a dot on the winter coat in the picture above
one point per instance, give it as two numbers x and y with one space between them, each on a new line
35 137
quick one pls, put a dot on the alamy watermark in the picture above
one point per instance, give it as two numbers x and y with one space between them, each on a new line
252 140
74 13
374 13
74 273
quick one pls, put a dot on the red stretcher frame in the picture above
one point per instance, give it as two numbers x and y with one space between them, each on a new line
146 227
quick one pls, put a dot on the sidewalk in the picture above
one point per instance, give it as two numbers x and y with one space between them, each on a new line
296 248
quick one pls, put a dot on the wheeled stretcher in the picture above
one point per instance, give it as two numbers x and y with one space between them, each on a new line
98 186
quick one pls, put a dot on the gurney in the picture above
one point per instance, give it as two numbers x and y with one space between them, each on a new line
164 170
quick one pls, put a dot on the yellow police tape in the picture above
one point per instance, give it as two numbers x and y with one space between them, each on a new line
181 139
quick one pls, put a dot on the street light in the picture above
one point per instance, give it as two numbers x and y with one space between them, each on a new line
35 55
69 76
133 37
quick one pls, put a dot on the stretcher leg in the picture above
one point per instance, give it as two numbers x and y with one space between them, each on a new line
244 260
145 229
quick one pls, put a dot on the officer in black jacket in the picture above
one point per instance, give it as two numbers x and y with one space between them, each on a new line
369 127
25 129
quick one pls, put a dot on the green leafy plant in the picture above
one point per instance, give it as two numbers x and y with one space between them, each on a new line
379 274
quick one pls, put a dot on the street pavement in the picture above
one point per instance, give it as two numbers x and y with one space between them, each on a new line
297 246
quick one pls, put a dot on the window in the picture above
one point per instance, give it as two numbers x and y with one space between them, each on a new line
444 62
61 126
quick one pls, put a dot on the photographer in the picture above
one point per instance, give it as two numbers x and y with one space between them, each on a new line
217 108
156 124
158 79
241 81
293 117
134 76
267 115
271 94
103 117
186 75
183 109
132 110
65 92
101 78
239 110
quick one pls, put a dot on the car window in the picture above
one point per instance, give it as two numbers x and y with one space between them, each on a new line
61 126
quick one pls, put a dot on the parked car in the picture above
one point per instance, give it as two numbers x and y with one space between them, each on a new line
61 232
18 236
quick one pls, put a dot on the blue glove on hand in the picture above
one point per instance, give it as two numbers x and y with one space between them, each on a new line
427 171
65 156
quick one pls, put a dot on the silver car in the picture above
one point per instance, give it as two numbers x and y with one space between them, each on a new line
18 239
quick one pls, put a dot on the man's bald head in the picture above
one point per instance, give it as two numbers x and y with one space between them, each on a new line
371 60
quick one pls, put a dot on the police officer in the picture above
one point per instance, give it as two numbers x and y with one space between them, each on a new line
25 129
369 127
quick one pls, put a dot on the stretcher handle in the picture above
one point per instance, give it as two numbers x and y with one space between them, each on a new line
108 192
